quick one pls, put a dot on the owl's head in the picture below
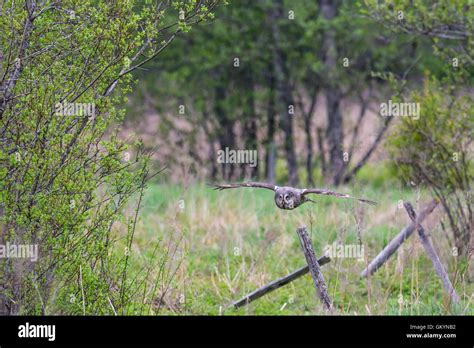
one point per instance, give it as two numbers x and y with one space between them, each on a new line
285 198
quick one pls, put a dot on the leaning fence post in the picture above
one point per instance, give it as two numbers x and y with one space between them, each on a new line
314 268
254 295
432 253
395 243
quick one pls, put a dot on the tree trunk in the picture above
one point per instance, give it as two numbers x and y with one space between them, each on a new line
270 145
226 131
335 137
309 151
250 126
334 130
307 117
210 140
322 154
284 93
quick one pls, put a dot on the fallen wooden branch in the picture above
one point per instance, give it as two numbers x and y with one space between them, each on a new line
315 270
254 295
395 243
425 241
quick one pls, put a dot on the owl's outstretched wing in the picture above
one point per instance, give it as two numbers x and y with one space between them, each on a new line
335 194
244 184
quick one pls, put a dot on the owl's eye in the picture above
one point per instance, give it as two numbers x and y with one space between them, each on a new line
287 197
280 197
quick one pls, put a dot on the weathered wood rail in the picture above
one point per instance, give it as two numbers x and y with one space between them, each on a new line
395 243
254 295
314 265
314 268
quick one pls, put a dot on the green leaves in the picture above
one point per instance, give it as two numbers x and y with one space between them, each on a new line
66 178
434 150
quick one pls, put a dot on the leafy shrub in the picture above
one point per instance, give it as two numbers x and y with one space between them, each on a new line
66 177
436 150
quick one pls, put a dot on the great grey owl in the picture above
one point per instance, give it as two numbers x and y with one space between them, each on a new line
289 197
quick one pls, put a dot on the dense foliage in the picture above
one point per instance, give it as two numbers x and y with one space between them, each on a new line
65 175
436 149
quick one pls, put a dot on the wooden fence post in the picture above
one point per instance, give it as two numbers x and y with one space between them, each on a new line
254 295
315 270
395 243
431 252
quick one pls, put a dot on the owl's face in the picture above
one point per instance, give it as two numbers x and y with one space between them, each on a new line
285 199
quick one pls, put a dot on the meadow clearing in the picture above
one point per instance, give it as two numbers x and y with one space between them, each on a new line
223 245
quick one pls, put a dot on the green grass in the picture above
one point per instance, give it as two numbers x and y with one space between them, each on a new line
231 242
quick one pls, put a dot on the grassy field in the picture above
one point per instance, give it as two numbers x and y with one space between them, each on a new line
214 247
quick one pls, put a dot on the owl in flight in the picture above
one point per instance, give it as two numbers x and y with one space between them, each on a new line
289 197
